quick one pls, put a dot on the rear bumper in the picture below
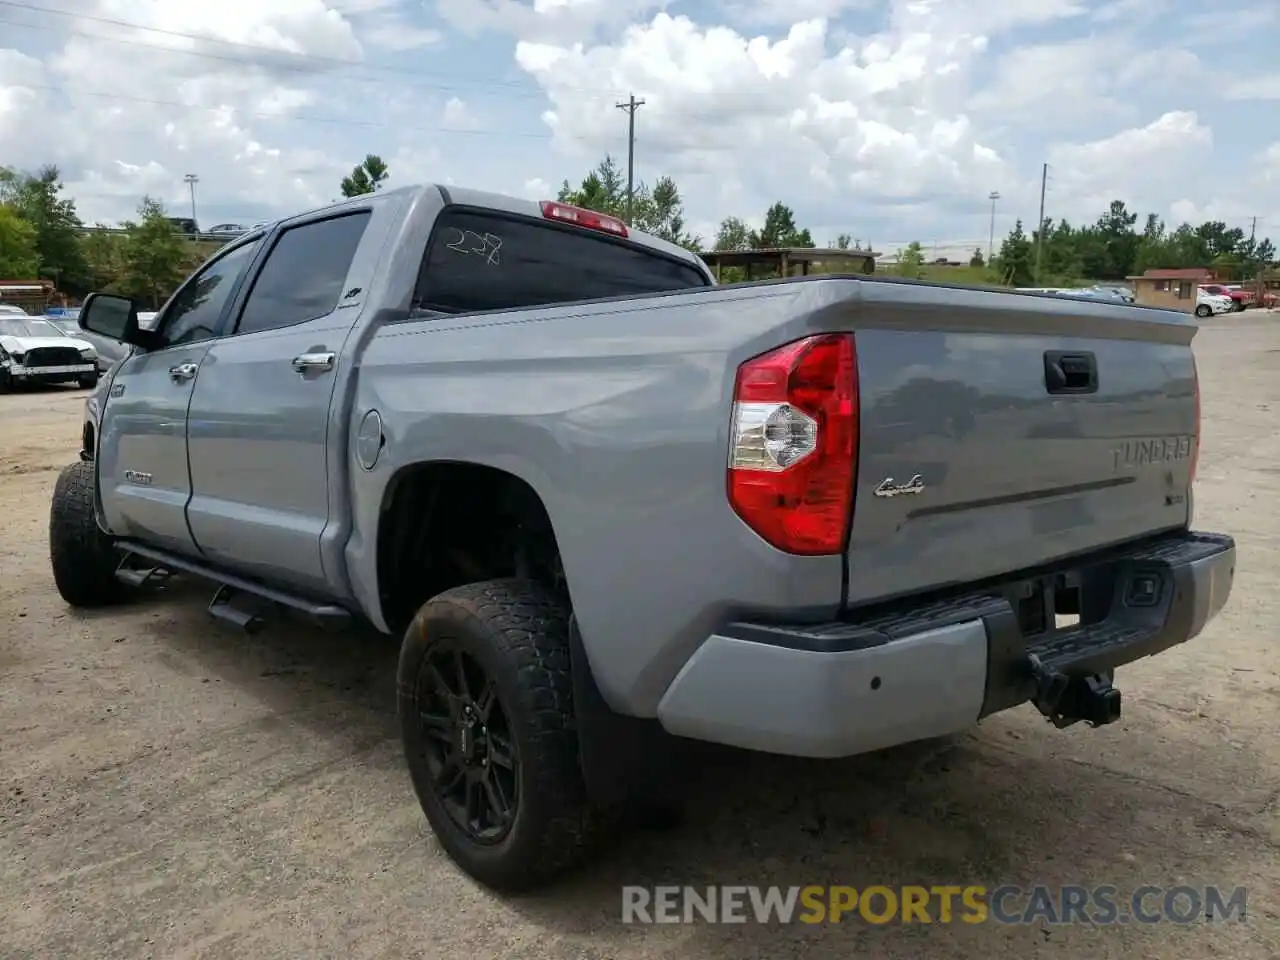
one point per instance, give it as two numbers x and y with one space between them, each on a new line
934 669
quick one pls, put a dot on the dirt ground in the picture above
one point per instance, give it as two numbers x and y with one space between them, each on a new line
172 789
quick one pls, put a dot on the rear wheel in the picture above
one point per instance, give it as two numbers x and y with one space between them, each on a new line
84 558
486 715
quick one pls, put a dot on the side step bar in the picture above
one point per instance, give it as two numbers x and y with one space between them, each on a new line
163 564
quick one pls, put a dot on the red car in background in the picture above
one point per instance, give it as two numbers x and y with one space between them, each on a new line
1241 297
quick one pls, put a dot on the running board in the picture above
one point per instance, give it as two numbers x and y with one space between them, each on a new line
325 614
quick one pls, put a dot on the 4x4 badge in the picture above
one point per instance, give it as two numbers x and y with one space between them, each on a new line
888 488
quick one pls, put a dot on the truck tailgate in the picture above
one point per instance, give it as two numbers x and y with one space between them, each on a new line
1006 431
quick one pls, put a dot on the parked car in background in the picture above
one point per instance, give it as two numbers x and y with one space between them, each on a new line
1212 304
185 225
109 351
227 230
1241 299
33 350
1120 293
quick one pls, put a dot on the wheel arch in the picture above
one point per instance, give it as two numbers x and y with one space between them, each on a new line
442 523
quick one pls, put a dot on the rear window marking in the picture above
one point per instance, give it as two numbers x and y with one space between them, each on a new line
487 245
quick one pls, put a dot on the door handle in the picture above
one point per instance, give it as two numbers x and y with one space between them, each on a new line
183 371
307 362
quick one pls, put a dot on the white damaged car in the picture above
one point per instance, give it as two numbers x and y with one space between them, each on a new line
34 351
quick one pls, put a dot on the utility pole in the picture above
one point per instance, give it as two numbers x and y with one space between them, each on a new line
1044 179
1259 284
631 106
993 196
191 180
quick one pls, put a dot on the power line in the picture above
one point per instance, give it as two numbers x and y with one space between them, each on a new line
301 118
1044 183
286 60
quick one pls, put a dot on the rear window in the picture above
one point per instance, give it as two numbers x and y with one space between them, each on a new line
482 261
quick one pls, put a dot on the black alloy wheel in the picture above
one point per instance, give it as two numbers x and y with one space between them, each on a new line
466 738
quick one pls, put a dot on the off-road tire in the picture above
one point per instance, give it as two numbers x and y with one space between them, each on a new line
519 634
83 558
88 382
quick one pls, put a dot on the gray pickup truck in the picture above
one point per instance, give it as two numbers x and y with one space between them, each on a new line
612 507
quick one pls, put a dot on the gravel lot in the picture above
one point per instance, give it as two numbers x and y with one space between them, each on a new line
172 789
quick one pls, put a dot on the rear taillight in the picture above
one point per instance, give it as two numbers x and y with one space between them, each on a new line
793 452
1195 442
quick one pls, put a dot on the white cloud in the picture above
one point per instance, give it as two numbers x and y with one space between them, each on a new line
887 119
1148 167
457 115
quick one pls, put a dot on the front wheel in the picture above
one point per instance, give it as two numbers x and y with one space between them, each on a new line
486 716
89 381
1203 310
84 558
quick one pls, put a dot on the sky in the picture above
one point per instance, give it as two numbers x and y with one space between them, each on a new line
887 120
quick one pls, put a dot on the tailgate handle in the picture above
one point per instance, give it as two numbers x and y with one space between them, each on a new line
1066 372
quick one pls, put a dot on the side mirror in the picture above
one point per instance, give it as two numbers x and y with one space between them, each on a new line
111 316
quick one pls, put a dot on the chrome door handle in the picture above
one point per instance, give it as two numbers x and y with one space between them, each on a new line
308 362
183 371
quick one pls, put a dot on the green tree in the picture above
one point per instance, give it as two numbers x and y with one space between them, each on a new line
911 261
658 210
977 260
780 230
1117 241
603 190
366 177
733 234
1017 258
19 257
105 254
38 200
843 242
155 257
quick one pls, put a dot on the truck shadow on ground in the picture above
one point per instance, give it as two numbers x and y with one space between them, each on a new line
990 808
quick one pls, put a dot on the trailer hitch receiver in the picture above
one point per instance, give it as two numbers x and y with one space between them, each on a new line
1066 699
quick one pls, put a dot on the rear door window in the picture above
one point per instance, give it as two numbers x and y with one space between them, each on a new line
304 274
482 261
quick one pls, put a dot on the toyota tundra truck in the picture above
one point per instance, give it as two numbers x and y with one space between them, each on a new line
612 507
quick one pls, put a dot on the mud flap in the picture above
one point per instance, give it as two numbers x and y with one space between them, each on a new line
624 759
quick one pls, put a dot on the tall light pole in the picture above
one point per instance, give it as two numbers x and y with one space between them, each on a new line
191 180
993 196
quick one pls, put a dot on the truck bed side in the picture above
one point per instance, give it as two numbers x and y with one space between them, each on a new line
617 414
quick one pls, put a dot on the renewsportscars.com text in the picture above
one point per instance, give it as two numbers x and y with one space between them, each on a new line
972 904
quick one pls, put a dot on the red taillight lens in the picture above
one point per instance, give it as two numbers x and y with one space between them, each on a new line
1195 443
793 450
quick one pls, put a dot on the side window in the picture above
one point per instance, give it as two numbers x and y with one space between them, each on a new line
303 276
195 311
